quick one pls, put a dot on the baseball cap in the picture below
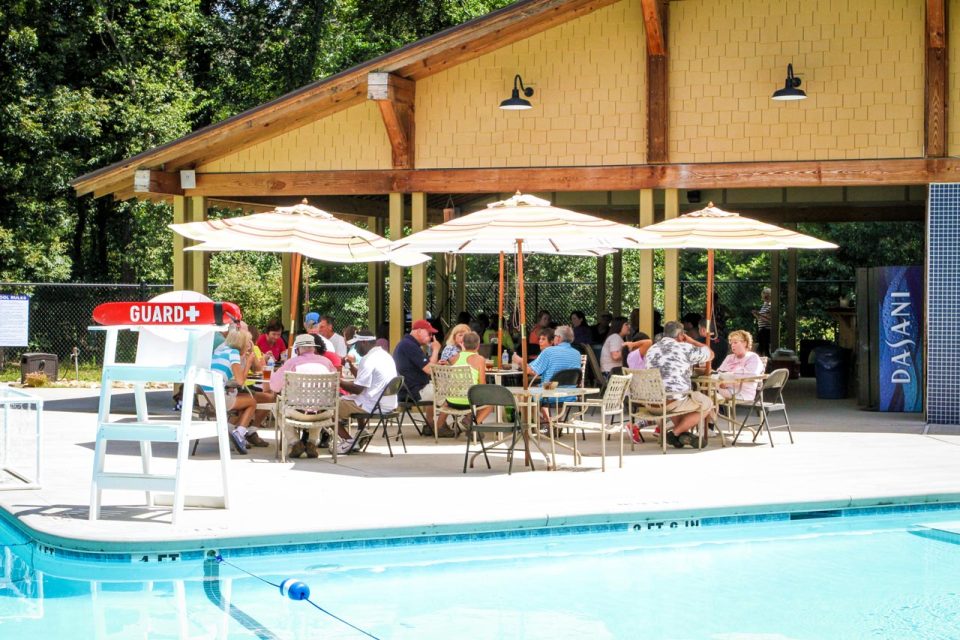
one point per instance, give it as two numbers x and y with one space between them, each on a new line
304 340
423 324
362 335
311 319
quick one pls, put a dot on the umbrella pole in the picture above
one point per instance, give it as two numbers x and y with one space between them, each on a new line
500 318
523 313
711 329
295 264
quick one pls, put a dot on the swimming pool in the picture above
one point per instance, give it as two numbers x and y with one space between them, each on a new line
879 573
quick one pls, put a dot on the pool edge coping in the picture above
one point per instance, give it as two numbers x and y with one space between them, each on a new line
94 546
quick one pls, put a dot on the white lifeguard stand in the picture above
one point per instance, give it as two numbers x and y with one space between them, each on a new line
177 353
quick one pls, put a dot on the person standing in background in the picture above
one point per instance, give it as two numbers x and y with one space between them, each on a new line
764 316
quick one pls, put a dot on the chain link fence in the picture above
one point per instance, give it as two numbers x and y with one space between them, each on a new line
61 312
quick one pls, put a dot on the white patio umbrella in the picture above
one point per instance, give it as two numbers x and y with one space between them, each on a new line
301 230
712 228
524 224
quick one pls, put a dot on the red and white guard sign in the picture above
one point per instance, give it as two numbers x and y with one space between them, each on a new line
148 313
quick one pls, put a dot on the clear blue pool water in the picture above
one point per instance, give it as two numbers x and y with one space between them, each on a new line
853 577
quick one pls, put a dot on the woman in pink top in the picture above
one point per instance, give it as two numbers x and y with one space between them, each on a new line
741 363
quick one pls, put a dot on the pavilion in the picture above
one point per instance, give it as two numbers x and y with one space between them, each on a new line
642 110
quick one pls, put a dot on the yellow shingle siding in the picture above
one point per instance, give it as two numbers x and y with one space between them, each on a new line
588 76
861 63
354 138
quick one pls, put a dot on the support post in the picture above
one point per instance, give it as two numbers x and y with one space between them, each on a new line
774 301
671 262
601 301
617 284
461 283
180 259
418 222
396 272
199 261
791 341
646 266
375 281
286 291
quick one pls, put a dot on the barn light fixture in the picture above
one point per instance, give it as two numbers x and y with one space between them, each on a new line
515 102
790 90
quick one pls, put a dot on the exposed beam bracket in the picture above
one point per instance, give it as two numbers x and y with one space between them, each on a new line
162 182
935 89
395 97
658 113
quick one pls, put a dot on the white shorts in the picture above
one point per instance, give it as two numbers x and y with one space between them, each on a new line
426 394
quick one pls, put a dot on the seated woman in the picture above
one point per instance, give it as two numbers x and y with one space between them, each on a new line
740 363
271 340
454 344
478 370
611 355
581 330
232 361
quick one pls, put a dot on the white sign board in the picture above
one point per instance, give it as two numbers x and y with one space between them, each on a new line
14 320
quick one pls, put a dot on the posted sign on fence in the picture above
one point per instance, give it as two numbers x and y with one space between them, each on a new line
14 320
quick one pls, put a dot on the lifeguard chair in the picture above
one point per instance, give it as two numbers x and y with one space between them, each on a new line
175 344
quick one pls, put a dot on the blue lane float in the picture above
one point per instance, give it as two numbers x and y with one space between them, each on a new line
295 589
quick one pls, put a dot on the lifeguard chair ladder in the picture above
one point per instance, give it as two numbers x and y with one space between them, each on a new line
177 353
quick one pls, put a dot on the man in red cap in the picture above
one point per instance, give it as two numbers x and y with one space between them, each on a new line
414 365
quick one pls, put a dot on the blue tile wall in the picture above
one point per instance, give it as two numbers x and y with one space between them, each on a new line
943 304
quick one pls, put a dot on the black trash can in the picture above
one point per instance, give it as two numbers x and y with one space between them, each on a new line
831 372
47 363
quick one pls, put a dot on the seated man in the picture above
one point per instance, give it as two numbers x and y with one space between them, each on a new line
375 371
310 355
553 359
675 355
414 365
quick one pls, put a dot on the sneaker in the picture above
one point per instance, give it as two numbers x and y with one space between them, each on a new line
312 451
364 440
239 442
674 439
345 447
447 432
324 440
691 440
634 430
254 439
297 449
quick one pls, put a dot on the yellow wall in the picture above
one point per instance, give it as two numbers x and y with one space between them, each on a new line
861 63
953 77
588 76
350 139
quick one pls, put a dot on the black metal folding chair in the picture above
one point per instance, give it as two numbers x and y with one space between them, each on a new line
383 418
482 395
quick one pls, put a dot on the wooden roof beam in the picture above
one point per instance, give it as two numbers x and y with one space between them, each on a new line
159 182
733 175
394 96
935 87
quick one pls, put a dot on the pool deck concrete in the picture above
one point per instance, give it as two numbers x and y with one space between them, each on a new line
842 457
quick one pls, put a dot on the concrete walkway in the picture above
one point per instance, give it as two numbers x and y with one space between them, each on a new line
842 457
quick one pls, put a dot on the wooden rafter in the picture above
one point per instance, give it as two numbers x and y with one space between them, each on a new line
935 90
395 98
734 175
416 60
656 40
161 182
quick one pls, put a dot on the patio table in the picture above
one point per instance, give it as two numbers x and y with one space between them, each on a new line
711 386
529 400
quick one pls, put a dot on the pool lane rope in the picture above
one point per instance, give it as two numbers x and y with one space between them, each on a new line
295 590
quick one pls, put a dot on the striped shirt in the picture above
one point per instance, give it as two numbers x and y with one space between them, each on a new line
222 362
554 359
763 316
